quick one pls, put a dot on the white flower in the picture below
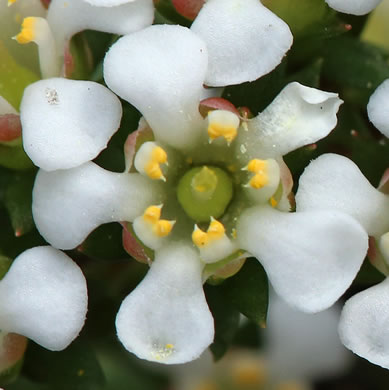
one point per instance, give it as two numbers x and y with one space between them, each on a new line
43 296
377 108
289 358
53 30
364 323
207 191
354 7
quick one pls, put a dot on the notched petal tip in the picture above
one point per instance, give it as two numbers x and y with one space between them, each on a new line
364 324
166 318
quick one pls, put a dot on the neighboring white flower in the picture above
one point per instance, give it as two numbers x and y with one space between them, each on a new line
63 19
354 7
364 323
43 296
378 108
289 358
202 194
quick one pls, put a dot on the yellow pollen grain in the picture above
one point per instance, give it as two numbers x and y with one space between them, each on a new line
234 233
163 227
200 238
27 34
216 130
152 214
273 202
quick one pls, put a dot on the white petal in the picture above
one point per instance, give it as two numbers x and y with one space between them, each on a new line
44 297
298 116
68 205
5 107
166 318
364 324
245 40
67 122
377 108
310 258
302 346
72 16
108 3
151 70
354 7
334 182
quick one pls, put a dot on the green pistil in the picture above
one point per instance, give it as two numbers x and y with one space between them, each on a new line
205 192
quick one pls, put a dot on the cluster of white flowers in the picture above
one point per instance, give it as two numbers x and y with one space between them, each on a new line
208 190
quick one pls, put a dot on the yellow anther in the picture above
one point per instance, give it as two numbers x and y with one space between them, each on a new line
216 129
259 167
152 168
27 34
169 346
163 227
152 214
199 238
160 227
10 2
153 171
215 230
273 202
256 165
158 155
259 180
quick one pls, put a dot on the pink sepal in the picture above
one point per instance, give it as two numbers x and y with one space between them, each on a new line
216 103
10 127
188 8
133 246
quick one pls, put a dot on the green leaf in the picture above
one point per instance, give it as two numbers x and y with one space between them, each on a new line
226 319
258 94
355 65
308 13
75 368
14 157
18 201
105 242
5 264
248 291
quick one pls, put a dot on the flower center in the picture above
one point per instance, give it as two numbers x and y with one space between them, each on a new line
205 192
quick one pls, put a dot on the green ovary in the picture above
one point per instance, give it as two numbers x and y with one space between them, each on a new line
205 192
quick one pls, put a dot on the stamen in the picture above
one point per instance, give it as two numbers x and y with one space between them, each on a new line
148 160
27 34
10 2
222 123
150 228
36 29
163 227
215 232
260 168
152 214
